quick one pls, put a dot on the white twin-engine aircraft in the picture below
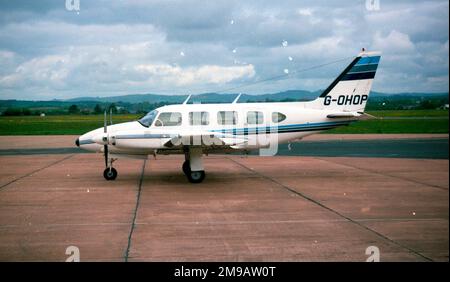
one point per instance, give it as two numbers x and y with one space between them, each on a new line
197 129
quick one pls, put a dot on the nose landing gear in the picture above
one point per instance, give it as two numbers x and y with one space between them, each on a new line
110 173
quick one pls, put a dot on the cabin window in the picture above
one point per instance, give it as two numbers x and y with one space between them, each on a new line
148 119
278 117
227 118
255 117
168 119
198 118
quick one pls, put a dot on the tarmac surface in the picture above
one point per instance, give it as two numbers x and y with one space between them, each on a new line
249 208
412 147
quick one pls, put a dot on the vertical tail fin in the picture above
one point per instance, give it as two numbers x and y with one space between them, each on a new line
350 90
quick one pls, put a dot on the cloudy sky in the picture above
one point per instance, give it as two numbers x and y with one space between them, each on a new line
177 47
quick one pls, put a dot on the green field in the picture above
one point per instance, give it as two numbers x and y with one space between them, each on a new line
410 113
403 121
55 125
406 121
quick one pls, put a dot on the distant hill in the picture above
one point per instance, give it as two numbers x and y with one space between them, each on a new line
298 95
141 103
132 98
290 95
407 94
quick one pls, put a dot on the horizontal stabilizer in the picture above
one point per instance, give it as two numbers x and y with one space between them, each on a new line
344 115
359 115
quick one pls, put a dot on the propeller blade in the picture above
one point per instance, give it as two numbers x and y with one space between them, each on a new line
110 116
104 124
105 147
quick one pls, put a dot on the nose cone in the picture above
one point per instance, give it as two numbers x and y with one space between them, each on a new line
85 141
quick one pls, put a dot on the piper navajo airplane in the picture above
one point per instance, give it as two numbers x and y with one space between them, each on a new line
197 129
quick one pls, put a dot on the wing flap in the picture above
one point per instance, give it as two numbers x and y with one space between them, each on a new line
128 156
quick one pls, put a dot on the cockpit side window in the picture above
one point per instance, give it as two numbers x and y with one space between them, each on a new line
278 117
148 119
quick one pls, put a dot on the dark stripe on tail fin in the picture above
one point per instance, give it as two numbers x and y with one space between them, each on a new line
339 78
363 68
359 75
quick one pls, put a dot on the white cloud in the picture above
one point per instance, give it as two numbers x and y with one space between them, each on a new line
305 12
197 75
123 47
114 70
310 14
395 42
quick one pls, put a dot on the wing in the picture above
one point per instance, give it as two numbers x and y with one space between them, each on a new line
129 156
205 139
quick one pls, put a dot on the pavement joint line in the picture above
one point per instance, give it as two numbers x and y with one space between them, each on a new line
386 174
133 223
333 211
42 151
36 171
287 221
66 224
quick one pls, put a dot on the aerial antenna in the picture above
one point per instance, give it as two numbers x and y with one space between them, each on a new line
297 71
284 75
187 99
237 98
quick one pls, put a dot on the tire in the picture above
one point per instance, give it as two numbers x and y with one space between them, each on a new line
110 173
186 167
196 176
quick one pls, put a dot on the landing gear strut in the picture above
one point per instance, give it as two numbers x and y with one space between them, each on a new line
193 165
110 173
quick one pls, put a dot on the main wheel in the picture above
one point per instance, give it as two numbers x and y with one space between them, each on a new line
196 176
110 173
186 167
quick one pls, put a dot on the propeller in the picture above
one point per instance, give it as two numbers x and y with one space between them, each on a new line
110 116
105 146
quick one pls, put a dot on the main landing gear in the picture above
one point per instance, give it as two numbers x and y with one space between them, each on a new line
193 165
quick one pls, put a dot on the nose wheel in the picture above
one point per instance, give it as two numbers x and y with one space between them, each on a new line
110 173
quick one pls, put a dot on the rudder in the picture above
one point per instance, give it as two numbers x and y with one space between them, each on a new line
350 91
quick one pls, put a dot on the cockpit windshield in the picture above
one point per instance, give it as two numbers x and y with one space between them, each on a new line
147 120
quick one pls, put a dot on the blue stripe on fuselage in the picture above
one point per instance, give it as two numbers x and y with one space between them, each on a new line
283 128
255 130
